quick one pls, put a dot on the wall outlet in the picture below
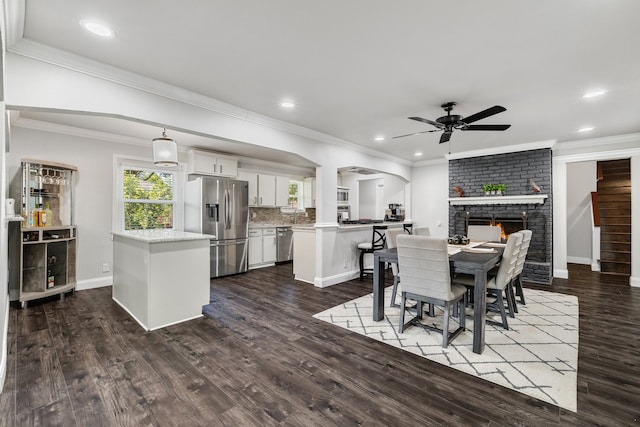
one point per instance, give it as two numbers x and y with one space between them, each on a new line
106 267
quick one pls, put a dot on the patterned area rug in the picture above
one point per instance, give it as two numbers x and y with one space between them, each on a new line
537 356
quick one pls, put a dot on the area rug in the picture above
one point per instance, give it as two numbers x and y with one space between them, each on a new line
537 356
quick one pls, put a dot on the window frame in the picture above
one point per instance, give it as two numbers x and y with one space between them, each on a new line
299 195
122 163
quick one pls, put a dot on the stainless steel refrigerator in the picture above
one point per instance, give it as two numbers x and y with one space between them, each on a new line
220 207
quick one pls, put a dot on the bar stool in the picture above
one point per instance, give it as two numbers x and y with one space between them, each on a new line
378 240
408 227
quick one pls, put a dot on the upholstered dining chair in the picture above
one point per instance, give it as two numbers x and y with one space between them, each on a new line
392 234
484 233
421 231
500 283
423 262
522 255
378 240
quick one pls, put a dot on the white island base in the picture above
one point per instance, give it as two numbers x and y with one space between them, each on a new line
161 277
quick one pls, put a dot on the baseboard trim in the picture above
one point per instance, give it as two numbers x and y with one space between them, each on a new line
634 281
99 282
595 266
323 282
3 361
579 260
560 274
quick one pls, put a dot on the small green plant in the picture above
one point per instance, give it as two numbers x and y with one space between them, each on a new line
488 188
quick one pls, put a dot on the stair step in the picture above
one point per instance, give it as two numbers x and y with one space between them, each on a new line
615 246
617 228
616 238
607 198
611 183
614 190
618 257
622 220
615 267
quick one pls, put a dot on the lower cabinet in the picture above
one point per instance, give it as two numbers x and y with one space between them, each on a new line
262 247
46 266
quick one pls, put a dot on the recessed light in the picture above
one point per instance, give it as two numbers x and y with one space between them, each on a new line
594 93
97 28
418 153
287 104
379 138
586 129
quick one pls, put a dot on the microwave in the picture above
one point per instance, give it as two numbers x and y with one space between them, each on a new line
343 195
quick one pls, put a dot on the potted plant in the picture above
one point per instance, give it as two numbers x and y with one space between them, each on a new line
501 189
486 188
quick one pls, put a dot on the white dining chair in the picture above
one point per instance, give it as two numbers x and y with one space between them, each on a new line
421 231
425 277
484 233
392 234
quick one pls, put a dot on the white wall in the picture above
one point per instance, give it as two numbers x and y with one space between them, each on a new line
94 190
581 181
367 198
430 195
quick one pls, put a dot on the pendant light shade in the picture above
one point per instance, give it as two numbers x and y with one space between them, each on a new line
165 151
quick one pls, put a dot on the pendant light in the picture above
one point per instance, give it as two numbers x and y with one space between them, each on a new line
165 151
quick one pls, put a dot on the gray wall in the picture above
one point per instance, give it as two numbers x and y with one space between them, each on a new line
581 181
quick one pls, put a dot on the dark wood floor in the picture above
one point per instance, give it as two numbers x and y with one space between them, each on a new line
260 359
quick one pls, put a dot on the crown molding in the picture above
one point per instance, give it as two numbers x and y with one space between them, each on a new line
64 59
549 143
597 155
599 142
74 131
433 162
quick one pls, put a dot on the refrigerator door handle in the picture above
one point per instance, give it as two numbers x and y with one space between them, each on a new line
227 210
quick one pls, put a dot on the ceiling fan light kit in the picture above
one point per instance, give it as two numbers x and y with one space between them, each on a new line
448 123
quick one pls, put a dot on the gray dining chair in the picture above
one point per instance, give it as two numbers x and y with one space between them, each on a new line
484 233
392 234
425 276
500 283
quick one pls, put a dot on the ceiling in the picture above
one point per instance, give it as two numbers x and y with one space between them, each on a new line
357 69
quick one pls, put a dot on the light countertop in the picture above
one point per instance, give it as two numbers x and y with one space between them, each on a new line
162 236
265 225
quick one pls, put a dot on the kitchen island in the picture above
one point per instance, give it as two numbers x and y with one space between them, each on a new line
161 277
341 253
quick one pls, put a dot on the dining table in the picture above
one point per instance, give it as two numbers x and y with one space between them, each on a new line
461 261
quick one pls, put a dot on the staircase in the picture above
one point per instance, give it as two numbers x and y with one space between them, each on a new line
614 204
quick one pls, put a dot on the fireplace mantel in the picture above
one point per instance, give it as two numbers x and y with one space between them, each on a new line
536 199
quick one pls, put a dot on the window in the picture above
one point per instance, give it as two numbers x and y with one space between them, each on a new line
146 197
295 195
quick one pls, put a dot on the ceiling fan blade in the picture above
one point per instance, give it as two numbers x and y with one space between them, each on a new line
416 133
446 136
486 127
485 113
420 119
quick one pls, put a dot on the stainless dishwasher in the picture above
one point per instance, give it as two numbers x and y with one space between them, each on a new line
284 244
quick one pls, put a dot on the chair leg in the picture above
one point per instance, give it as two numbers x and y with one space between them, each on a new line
402 310
462 304
503 314
394 292
511 300
512 295
519 290
361 265
445 326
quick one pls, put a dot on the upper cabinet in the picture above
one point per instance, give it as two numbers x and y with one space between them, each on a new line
205 163
282 191
266 190
309 193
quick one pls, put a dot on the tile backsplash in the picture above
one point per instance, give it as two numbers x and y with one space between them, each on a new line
275 216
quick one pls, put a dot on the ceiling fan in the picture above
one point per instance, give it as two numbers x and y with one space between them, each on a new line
453 121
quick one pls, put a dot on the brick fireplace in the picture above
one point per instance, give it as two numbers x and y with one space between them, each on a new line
512 213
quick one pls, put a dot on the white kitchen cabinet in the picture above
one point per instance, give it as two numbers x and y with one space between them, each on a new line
255 247
282 191
266 190
269 252
262 247
309 192
252 179
206 163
